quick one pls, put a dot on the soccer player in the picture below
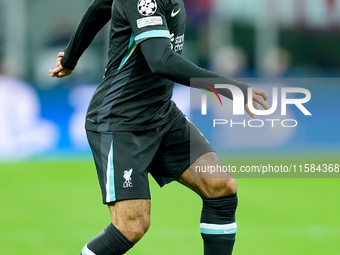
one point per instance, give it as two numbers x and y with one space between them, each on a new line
134 128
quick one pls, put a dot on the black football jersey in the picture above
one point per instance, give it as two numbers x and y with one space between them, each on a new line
130 96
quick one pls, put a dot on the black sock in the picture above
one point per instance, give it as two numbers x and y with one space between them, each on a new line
109 242
218 226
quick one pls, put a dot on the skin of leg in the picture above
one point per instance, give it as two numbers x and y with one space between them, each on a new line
131 217
205 184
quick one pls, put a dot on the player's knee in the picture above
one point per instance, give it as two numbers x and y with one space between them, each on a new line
221 187
131 218
136 228
138 232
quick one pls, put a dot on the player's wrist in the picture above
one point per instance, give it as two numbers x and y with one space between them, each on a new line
64 63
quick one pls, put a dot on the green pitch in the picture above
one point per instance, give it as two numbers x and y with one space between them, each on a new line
54 208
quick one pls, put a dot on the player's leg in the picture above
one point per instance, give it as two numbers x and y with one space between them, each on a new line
218 225
130 221
131 217
205 184
121 165
182 146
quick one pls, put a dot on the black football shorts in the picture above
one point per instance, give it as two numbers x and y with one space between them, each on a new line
124 159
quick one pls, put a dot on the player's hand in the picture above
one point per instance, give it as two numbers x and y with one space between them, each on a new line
60 71
259 97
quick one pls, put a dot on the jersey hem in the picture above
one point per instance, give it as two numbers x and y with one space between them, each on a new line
132 127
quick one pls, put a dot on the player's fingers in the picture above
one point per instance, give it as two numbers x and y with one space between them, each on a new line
261 93
55 71
60 74
60 56
249 112
264 105
261 101
58 62
256 106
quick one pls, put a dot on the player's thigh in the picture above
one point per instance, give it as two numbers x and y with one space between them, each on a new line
206 184
131 217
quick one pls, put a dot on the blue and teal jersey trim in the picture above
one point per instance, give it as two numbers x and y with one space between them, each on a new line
134 40
110 178
131 48
218 229
151 34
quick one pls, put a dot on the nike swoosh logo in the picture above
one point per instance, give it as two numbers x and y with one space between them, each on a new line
230 231
173 14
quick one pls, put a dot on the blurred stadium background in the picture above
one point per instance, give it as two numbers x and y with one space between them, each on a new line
48 188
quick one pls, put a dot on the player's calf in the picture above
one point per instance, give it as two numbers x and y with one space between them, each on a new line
218 225
109 242
130 221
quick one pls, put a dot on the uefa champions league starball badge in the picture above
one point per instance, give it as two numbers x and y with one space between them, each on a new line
147 7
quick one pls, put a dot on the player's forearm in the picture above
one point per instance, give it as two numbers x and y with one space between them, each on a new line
95 17
165 62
